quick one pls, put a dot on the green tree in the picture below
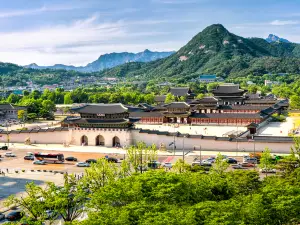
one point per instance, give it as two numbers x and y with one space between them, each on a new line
220 165
266 162
32 116
68 98
170 98
295 102
22 115
200 96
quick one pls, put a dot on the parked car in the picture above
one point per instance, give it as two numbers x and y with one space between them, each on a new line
14 215
39 162
202 163
4 148
89 161
246 164
211 159
111 159
28 157
167 165
250 160
267 170
9 154
71 158
2 216
238 166
82 164
231 161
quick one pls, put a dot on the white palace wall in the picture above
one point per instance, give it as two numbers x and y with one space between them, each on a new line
190 143
55 137
127 137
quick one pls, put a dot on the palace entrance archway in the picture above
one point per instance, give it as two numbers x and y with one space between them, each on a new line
116 142
84 140
100 140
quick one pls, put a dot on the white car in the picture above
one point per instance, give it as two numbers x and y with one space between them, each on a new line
39 162
9 154
82 164
167 165
267 171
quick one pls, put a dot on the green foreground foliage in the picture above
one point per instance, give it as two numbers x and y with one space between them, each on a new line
111 194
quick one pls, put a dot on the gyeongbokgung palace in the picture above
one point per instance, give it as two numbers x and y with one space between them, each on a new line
117 125
229 105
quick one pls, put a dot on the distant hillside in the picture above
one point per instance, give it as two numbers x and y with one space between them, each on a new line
109 61
274 38
216 50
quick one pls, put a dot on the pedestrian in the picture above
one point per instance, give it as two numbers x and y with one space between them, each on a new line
6 170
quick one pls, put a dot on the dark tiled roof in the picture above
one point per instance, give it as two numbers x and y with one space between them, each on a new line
160 98
179 91
260 101
11 107
101 109
91 121
177 105
253 96
207 100
141 114
243 107
228 88
227 115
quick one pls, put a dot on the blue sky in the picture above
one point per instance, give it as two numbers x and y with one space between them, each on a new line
77 32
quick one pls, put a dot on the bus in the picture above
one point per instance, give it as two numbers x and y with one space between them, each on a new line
49 157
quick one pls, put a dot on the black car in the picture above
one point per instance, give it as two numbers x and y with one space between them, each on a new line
111 159
91 161
4 148
231 160
28 157
14 215
71 158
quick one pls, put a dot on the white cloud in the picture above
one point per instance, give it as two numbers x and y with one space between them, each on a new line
26 12
284 22
77 43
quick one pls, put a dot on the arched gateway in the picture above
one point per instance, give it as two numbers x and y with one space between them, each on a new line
100 140
84 140
116 142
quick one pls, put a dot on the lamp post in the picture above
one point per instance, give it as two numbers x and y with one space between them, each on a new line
184 136
200 153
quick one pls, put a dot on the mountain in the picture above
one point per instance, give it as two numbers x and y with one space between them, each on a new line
216 50
274 38
109 61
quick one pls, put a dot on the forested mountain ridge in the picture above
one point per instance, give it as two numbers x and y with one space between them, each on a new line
216 50
110 60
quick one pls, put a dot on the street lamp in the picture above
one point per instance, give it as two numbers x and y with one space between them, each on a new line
184 136
199 151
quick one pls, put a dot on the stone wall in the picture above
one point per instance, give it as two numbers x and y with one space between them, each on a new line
50 137
208 144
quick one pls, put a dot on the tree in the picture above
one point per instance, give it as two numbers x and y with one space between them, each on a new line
200 96
180 166
140 155
220 165
22 115
33 203
252 89
68 98
169 98
12 98
295 102
266 162
100 174
32 116
48 105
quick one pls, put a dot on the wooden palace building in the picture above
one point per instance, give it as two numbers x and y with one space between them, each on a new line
229 105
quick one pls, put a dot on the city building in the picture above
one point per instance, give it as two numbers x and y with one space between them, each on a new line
207 78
